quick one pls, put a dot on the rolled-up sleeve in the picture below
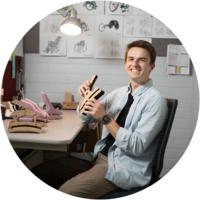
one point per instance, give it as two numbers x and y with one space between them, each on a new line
152 119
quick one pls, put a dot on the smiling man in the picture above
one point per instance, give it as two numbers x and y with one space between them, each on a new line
132 116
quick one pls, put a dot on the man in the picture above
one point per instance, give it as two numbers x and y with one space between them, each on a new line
132 118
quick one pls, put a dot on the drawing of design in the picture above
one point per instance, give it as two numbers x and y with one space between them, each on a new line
130 21
101 42
145 22
55 26
84 26
131 31
115 42
90 5
114 53
114 5
112 23
145 32
80 46
159 23
102 52
159 31
53 46
170 33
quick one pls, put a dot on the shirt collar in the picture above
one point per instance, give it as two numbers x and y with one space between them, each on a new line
140 89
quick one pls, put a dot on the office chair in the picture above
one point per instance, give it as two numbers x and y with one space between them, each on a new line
157 163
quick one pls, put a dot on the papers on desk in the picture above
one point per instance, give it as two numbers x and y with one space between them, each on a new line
178 60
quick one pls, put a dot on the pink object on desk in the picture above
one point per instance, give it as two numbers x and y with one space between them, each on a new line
34 107
25 119
53 113
29 119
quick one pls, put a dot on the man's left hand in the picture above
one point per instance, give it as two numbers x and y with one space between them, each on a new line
95 109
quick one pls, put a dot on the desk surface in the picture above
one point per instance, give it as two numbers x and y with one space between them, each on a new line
55 133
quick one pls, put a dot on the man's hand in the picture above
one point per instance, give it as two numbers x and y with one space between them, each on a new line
95 109
84 87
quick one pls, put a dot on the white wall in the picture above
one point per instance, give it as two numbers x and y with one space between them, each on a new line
57 75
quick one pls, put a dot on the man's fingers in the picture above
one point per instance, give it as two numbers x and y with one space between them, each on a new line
92 100
89 103
87 112
87 107
88 83
85 86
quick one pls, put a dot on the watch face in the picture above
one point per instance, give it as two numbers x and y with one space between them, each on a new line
106 118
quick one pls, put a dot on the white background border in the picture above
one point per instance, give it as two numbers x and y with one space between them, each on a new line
17 17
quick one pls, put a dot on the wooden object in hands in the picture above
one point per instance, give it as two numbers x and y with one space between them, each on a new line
89 93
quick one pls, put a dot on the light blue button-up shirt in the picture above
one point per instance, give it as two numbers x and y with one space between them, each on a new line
130 157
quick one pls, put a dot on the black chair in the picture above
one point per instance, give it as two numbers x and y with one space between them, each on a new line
157 163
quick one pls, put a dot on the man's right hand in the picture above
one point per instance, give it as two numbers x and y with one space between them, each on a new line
84 87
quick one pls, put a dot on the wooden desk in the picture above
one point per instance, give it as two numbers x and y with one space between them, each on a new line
55 135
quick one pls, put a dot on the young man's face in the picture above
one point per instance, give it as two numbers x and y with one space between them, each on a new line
138 66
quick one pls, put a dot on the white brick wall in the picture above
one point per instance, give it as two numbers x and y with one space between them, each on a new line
57 75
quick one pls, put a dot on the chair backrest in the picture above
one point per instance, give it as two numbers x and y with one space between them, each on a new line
157 163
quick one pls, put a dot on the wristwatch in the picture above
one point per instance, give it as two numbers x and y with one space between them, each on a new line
105 119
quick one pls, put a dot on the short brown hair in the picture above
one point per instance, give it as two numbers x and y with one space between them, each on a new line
145 45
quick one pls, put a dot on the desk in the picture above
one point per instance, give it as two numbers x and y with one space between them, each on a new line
55 135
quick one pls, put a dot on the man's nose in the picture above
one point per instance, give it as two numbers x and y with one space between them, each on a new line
135 63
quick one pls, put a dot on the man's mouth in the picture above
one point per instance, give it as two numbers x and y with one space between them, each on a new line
135 70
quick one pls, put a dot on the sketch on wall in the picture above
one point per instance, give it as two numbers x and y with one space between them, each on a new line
138 11
84 27
112 23
52 45
52 40
113 7
178 60
51 24
160 30
137 26
80 46
108 47
129 40
90 8
108 25
87 23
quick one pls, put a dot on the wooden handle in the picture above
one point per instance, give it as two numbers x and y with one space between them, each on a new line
92 81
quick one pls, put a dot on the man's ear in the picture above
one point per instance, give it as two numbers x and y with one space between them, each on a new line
152 67
125 64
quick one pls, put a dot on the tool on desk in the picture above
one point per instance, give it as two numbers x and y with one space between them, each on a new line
89 93
55 105
24 126
53 113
